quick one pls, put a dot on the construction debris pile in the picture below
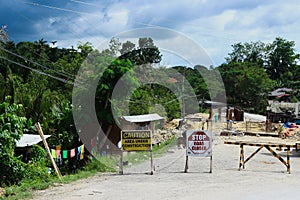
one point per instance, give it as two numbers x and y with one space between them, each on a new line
199 121
177 127
288 130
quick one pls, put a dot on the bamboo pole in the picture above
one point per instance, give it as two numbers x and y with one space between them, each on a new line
40 131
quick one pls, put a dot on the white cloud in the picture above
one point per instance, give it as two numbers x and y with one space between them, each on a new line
218 32
215 25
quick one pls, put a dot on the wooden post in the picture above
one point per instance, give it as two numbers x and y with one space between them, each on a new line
121 163
40 131
210 113
268 125
210 164
151 155
242 157
288 163
186 164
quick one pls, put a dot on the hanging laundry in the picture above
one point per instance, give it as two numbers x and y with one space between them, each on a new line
53 153
65 154
58 153
59 159
93 142
72 153
58 147
82 152
78 152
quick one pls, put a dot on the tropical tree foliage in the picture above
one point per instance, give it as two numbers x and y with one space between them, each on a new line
37 80
12 127
253 69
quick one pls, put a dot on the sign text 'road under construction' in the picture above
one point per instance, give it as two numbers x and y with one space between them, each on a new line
136 140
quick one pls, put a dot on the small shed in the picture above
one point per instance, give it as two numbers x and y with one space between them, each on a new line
24 145
28 140
140 122
132 122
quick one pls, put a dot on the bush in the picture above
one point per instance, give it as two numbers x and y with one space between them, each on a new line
12 126
36 171
37 168
38 155
12 170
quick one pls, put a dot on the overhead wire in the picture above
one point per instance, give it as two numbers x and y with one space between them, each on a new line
65 74
37 71
42 66
85 3
61 9
209 34
77 12
67 10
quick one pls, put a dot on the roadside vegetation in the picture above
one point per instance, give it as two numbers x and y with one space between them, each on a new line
37 82
96 167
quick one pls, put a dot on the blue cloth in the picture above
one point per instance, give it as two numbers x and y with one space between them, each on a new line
78 152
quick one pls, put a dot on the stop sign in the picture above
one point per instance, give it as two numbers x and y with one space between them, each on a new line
199 143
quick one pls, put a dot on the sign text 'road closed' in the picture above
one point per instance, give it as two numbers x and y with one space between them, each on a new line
199 143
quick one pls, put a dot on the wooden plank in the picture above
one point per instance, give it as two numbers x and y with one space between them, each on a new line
268 147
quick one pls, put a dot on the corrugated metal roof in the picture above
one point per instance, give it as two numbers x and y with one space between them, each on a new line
143 118
214 103
280 91
29 140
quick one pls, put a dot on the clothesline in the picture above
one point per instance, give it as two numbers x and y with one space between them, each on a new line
64 154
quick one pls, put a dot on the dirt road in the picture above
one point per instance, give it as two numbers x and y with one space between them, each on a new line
264 178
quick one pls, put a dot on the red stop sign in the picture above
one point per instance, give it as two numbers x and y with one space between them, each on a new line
198 143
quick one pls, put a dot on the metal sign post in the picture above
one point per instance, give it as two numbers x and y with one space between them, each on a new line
198 143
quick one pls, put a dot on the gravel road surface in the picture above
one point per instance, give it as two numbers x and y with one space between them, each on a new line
265 177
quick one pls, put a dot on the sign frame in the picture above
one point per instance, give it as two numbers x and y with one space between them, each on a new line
198 144
138 140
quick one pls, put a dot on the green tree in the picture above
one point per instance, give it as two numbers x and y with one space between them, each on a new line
147 97
146 53
12 127
282 60
278 58
195 79
247 85
127 47
254 52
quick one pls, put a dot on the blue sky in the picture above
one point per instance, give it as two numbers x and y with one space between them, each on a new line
212 24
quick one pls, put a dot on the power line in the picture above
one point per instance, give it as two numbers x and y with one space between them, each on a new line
37 71
26 59
86 3
61 9
67 10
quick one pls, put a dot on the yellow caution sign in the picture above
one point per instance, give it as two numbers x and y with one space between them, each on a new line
136 140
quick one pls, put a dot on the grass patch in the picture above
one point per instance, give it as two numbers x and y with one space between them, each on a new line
102 164
140 156
25 188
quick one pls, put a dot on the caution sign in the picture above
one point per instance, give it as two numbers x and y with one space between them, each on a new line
199 143
136 140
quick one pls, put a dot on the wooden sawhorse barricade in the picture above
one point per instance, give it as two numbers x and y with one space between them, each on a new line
268 146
